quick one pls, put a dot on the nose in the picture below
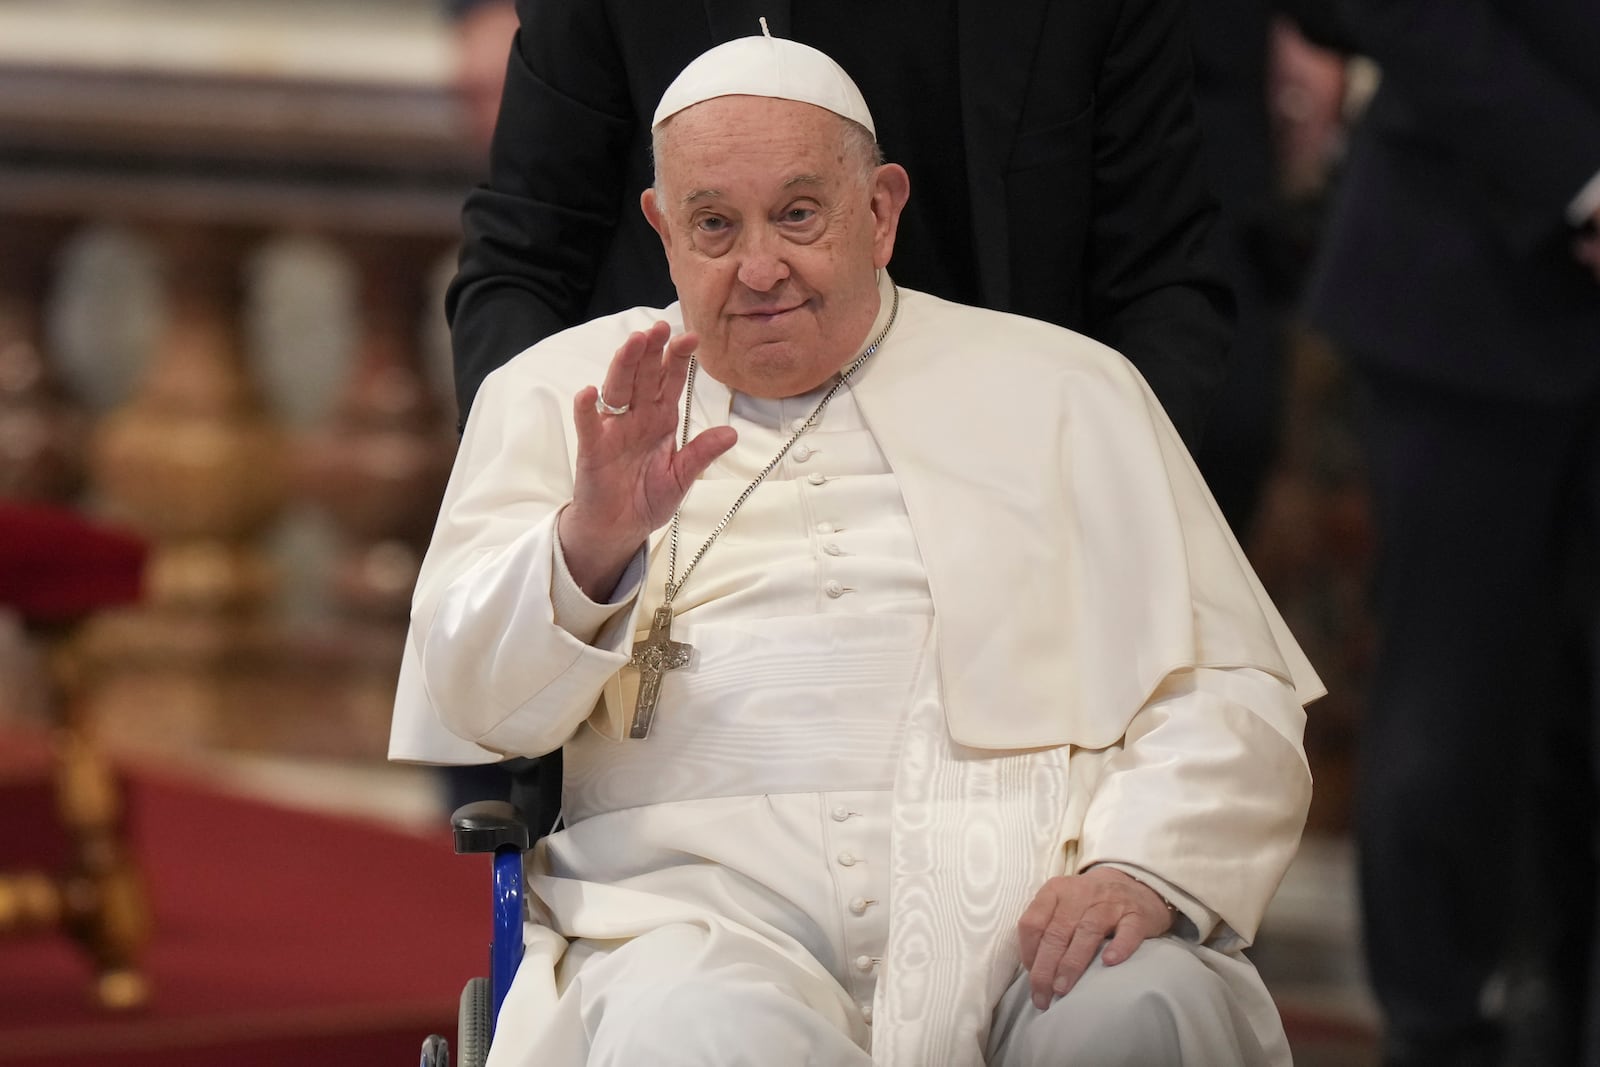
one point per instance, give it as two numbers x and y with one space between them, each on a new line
762 265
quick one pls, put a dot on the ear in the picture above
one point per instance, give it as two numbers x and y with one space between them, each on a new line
653 215
891 188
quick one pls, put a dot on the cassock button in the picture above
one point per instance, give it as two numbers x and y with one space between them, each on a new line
840 814
833 589
802 453
847 859
864 964
832 549
817 479
826 527
866 1014
858 906
794 425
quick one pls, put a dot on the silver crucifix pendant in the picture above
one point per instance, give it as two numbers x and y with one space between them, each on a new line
653 657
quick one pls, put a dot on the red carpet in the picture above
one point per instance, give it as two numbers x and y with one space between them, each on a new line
280 937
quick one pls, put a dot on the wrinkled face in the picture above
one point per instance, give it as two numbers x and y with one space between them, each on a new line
774 229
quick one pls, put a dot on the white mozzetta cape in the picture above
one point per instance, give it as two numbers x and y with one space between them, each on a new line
1074 555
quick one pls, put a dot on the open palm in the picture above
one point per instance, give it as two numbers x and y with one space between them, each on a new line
631 475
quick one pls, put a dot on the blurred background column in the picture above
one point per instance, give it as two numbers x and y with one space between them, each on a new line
195 462
226 233
378 467
41 426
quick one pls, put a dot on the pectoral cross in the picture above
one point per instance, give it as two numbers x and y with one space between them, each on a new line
653 657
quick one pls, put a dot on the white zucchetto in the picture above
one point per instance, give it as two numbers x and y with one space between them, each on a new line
765 66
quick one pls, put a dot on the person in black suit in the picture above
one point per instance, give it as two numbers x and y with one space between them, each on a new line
1454 279
1053 146
1261 231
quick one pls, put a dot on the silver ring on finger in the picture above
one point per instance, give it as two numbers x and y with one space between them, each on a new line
604 408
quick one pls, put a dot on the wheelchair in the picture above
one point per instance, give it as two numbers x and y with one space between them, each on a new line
497 827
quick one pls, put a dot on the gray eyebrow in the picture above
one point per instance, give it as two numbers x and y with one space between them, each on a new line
712 194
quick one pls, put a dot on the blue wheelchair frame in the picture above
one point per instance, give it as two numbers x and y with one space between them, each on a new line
497 827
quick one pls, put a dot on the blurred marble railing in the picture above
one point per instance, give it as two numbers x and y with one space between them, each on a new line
203 169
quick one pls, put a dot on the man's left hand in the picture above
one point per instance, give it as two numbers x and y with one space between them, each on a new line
1586 246
483 43
1071 918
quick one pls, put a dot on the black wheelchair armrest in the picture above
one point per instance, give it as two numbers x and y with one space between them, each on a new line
489 825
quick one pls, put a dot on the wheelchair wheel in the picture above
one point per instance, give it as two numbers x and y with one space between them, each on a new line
435 1052
472 1032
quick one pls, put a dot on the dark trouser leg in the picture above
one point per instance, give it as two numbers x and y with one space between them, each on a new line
1243 431
1549 980
1584 598
532 784
1469 503
536 790
478 781
1548 961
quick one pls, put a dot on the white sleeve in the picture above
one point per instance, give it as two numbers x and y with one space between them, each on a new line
500 669
574 611
1209 794
494 661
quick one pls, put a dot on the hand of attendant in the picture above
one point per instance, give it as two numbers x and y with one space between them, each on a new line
1071 918
483 40
1587 245
631 475
1306 89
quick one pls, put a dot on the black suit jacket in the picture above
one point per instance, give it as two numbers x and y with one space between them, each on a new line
1448 258
1076 128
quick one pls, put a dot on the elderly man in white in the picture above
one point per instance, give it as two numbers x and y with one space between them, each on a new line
918 708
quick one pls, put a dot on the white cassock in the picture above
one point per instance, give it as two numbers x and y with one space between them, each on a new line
980 627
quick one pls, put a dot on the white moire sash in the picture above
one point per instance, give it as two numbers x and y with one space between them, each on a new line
974 836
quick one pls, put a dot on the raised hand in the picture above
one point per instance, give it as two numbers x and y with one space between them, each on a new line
1072 917
631 475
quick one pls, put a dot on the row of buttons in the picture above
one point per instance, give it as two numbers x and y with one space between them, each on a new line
834 589
867 934
857 905
864 964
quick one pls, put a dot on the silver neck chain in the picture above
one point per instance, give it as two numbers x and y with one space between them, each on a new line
674 584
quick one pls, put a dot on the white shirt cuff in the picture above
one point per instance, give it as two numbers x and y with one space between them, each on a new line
574 612
1195 921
